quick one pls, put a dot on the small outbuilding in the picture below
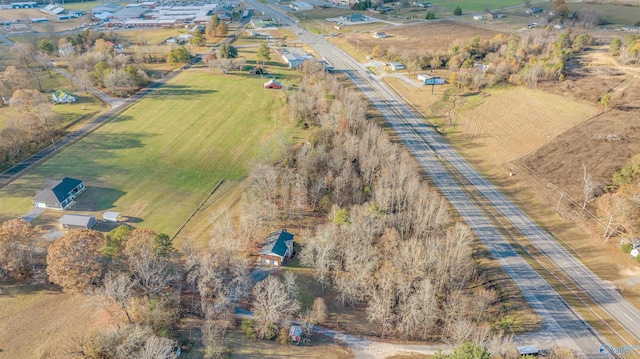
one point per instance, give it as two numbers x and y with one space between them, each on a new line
528 350
111 216
295 333
379 35
78 221
395 66
277 248
272 84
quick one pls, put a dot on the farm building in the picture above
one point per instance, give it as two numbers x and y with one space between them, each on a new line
277 248
111 216
379 35
58 194
293 60
494 15
52 9
110 7
23 5
75 221
395 66
60 96
528 350
39 19
272 84
353 18
477 17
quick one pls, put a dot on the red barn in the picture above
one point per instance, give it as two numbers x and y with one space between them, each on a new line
272 84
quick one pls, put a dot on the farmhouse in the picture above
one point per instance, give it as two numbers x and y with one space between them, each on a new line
277 248
379 35
494 15
395 66
272 84
60 96
58 194
76 221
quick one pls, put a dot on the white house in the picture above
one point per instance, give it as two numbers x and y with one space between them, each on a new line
395 66
379 35
477 17
63 97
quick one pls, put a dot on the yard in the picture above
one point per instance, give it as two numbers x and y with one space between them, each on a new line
157 161
38 323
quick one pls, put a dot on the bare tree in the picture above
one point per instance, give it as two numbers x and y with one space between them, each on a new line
320 310
589 186
319 253
117 289
290 284
271 304
18 253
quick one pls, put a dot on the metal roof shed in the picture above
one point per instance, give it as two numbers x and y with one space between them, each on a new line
78 221
528 350
111 216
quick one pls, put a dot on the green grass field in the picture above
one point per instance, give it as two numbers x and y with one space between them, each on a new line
159 160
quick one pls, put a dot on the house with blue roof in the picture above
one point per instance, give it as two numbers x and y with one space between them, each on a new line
58 194
277 248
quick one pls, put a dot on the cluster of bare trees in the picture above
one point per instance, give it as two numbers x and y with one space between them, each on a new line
34 122
101 66
518 59
131 275
20 255
390 244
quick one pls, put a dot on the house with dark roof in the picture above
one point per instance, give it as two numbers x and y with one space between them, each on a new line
58 194
78 221
277 248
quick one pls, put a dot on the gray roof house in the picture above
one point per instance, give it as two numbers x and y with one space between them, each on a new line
293 60
277 248
58 194
72 221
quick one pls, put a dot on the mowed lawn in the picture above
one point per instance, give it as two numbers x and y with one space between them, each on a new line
157 161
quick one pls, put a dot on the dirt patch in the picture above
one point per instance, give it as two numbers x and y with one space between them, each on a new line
435 36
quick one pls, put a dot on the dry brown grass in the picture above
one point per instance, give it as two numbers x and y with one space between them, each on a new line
40 323
433 36
320 347
506 127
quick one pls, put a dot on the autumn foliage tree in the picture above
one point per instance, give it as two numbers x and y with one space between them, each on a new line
19 257
74 261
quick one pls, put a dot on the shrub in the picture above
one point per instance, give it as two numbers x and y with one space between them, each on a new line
457 11
626 248
247 328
